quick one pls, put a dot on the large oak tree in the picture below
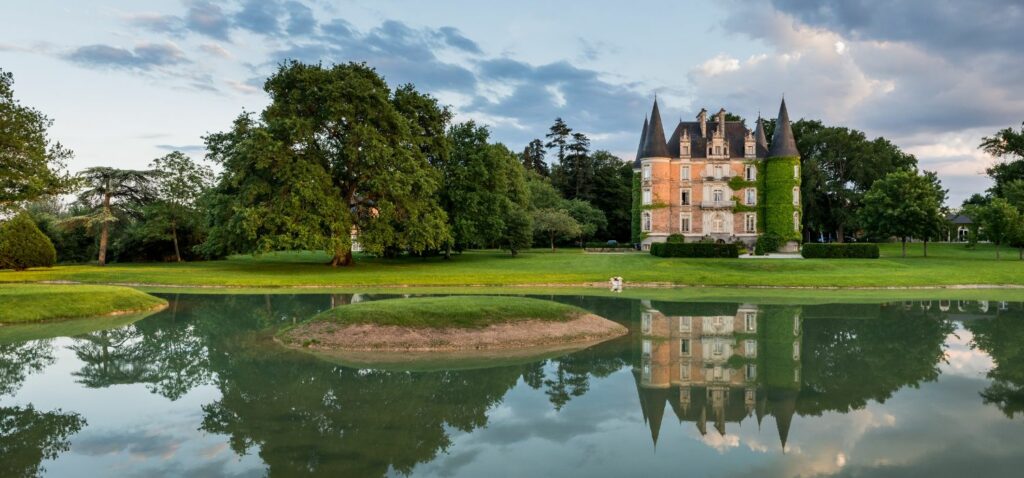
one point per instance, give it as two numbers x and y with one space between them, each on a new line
335 152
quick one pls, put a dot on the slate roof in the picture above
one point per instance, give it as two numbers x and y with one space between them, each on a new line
960 219
735 133
760 139
654 141
640 148
783 142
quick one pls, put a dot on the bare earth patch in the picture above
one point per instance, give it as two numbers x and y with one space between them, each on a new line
367 343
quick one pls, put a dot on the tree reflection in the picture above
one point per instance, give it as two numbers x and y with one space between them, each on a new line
18 360
850 361
310 417
27 437
1002 337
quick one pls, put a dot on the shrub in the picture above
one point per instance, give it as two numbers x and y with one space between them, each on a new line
675 239
767 243
23 245
607 245
694 249
840 251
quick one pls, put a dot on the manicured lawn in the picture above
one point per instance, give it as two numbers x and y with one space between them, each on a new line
454 311
39 302
948 264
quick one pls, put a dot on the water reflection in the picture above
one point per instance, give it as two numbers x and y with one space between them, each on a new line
715 367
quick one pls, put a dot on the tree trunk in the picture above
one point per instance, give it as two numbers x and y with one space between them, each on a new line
448 252
926 247
552 243
904 240
997 251
105 230
839 234
174 235
342 258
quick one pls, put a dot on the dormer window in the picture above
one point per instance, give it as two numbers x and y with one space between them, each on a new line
718 150
685 149
750 149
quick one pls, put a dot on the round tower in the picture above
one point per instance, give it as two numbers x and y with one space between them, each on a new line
783 214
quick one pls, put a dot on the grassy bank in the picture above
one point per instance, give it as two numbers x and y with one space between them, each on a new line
948 264
455 311
24 303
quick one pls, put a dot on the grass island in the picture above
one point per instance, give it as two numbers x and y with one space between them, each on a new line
28 303
455 327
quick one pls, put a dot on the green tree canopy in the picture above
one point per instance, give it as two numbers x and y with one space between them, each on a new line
484 190
335 152
180 183
31 164
904 204
555 224
533 158
1008 145
1000 221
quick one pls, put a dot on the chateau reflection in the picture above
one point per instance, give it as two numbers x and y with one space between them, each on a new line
719 363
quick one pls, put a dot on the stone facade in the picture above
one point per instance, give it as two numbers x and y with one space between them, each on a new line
705 180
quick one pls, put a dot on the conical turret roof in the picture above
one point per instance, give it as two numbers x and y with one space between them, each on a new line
760 140
783 142
654 141
640 147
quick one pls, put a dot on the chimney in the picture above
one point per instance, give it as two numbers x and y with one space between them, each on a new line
702 117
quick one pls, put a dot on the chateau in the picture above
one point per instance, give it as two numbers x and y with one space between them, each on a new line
716 180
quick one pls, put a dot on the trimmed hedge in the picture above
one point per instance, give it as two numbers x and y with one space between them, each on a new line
23 245
767 243
694 249
840 251
610 245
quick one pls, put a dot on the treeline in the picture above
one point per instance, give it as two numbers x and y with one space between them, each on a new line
337 161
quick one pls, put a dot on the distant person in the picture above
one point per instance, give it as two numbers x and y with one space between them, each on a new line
611 284
617 284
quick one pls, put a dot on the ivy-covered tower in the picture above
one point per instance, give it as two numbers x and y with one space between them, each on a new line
781 187
715 179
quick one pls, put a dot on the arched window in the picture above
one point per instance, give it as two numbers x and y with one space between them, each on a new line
796 196
796 221
718 223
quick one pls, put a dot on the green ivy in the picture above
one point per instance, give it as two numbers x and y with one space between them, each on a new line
636 235
654 205
776 182
744 208
737 183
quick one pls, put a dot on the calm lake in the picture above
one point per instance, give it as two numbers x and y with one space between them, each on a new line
933 388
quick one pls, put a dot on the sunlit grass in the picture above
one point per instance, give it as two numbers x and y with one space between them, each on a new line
947 264
22 303
454 311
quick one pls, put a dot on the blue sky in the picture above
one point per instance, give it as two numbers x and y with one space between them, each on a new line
128 81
